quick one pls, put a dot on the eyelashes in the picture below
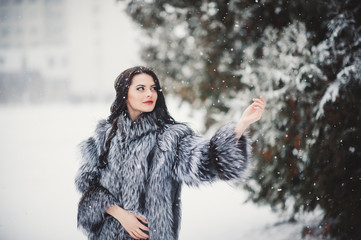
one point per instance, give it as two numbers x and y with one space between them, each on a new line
152 88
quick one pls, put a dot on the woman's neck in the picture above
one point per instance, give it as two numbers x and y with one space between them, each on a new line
134 114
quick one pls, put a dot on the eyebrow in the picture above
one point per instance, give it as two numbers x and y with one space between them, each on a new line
142 85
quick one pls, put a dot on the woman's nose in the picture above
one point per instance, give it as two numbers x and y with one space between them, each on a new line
149 93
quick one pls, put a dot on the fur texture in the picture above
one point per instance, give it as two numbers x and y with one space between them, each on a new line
150 185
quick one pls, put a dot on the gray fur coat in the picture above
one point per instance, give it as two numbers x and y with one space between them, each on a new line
150 184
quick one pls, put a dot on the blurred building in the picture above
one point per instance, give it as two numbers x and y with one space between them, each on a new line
58 50
34 56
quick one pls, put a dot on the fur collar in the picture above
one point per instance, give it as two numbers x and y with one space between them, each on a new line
129 130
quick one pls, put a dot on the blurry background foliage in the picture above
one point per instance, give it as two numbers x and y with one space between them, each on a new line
304 57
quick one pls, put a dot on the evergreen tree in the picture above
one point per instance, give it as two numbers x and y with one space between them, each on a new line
304 57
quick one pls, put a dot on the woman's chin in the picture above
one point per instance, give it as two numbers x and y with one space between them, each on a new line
148 109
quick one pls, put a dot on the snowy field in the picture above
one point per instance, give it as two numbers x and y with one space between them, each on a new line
39 160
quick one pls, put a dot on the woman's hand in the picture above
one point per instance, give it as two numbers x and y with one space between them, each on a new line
252 114
131 222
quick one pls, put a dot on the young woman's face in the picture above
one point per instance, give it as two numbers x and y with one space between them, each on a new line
142 95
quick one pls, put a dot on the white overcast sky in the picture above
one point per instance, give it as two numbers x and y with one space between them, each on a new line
100 47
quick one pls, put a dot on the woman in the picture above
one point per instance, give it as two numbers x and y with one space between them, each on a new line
134 165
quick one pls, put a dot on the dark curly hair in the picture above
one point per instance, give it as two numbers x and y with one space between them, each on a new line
119 106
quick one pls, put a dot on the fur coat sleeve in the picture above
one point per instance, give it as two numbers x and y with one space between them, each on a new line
95 198
202 160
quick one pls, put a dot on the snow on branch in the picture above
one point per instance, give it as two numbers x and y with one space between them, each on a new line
332 91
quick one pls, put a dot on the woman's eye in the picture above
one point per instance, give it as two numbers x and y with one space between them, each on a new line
140 88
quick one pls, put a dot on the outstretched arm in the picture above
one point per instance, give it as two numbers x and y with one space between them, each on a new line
252 114
199 159
225 156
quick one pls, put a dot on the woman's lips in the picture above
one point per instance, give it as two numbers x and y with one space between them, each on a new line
148 102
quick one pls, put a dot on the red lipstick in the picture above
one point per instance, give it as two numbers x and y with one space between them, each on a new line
149 102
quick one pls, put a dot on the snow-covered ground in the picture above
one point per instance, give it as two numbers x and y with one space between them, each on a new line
39 161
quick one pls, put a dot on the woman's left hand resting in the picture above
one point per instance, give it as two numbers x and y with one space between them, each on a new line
132 223
252 114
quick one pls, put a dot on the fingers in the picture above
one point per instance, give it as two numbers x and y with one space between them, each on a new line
262 99
138 234
258 103
133 224
141 218
133 236
257 106
145 228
